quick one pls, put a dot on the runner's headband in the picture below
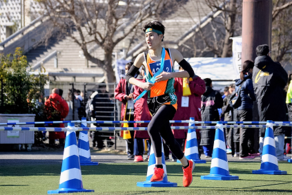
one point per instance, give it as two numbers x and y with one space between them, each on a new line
153 30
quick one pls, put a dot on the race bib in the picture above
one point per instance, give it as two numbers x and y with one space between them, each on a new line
130 104
184 101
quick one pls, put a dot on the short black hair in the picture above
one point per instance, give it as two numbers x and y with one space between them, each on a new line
226 89
232 86
262 50
155 25
208 82
61 92
129 64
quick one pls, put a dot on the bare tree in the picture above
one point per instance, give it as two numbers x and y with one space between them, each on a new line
102 22
282 30
224 26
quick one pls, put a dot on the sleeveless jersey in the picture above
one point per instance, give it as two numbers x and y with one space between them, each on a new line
162 92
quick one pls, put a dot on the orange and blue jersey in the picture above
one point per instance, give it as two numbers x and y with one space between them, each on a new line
162 88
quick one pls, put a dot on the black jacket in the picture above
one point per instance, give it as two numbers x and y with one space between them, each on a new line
102 107
211 101
269 81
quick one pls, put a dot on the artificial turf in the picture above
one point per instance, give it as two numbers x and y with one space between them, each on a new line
121 178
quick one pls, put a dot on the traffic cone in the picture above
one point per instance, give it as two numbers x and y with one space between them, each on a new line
191 151
219 164
269 164
83 146
150 171
70 179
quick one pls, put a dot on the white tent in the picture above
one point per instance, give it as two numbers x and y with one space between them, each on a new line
220 70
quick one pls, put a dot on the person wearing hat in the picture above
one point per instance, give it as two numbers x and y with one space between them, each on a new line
269 80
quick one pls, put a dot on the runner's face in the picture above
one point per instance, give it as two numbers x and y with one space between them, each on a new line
153 39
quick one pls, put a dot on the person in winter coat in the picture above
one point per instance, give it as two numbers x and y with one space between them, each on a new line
244 89
187 106
70 105
141 113
269 81
124 93
57 109
211 100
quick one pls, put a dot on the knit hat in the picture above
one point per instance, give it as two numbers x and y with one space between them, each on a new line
262 50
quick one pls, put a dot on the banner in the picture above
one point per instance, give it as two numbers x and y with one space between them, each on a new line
120 69
236 52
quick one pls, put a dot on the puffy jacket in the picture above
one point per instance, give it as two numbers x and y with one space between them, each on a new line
57 103
197 87
246 92
269 81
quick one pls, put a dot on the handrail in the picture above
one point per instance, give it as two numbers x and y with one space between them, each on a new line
210 15
21 31
38 64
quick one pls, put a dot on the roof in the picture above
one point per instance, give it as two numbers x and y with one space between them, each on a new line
220 70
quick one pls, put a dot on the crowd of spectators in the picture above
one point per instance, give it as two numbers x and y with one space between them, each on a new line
262 85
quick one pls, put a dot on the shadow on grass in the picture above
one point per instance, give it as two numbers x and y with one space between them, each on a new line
12 185
101 169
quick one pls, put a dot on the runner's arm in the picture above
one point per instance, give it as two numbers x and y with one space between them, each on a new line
188 70
133 71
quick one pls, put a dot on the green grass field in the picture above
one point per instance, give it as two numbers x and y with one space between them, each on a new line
122 178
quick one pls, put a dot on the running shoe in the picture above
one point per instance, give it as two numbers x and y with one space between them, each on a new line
157 175
228 151
255 154
188 174
138 158
246 157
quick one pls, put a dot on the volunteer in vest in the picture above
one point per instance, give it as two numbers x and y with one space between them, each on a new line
188 92
244 88
124 93
162 101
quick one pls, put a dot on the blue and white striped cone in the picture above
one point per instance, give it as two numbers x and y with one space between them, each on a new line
219 164
150 172
83 146
70 179
191 151
269 164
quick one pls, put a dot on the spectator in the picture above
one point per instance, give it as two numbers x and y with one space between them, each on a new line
210 102
231 88
101 109
227 115
270 79
244 111
289 106
188 106
56 109
70 105
141 113
124 93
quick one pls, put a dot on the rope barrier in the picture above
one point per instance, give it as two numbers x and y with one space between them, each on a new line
276 123
58 129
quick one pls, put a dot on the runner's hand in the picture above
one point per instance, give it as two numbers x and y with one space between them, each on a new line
147 86
163 76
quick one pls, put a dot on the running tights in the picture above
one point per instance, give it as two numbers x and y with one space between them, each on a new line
160 126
